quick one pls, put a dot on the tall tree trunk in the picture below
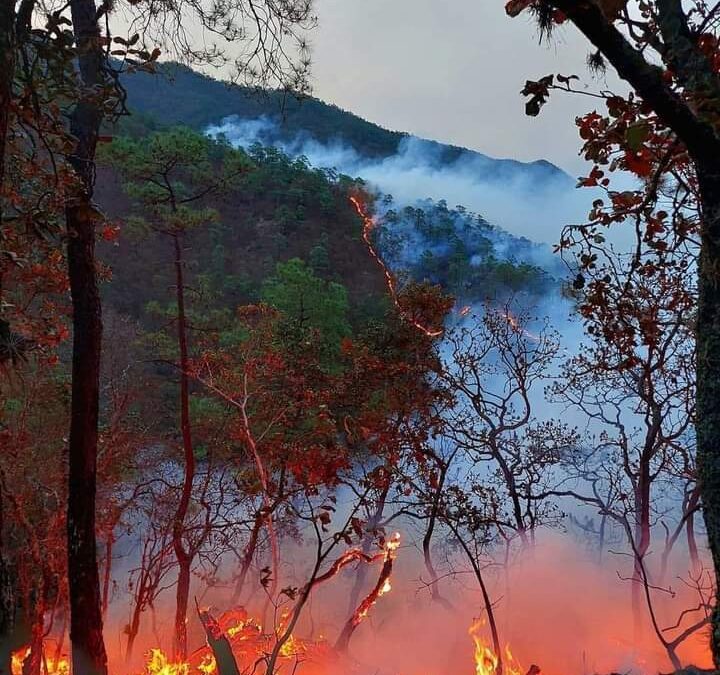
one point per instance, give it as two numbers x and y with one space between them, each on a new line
708 372
7 74
182 552
693 553
703 143
88 648
427 542
182 600
7 71
640 544
7 603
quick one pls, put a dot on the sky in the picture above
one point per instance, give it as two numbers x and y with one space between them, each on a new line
452 71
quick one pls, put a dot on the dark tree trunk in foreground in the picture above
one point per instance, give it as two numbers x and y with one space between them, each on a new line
708 375
7 70
88 648
7 604
220 645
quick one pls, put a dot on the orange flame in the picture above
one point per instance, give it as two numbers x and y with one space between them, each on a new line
515 325
56 666
368 226
487 661
17 659
464 311
159 664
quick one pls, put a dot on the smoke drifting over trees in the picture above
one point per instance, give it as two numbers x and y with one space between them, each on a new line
276 401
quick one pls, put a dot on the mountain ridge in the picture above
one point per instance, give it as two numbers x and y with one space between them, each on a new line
179 95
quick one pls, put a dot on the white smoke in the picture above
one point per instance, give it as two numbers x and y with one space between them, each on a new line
531 200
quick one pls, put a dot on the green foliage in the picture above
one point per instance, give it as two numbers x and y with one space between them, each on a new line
274 208
308 304
206 408
292 186
319 259
168 173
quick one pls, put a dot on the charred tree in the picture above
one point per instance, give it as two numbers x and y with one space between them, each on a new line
381 587
372 527
220 645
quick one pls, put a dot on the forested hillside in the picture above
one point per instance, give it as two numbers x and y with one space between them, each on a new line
180 95
285 208
277 210
283 392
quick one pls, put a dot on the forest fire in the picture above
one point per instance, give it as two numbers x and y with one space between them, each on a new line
57 664
519 326
368 226
487 662
250 646
212 417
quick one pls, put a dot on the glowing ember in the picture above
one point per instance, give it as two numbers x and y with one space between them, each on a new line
464 311
392 545
293 647
381 587
368 225
59 667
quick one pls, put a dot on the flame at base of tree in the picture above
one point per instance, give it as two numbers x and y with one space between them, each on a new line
55 665
250 646
487 662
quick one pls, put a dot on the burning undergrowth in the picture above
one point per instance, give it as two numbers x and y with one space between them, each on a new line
570 622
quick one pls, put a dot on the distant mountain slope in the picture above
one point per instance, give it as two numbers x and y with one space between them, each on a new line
422 230
183 96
